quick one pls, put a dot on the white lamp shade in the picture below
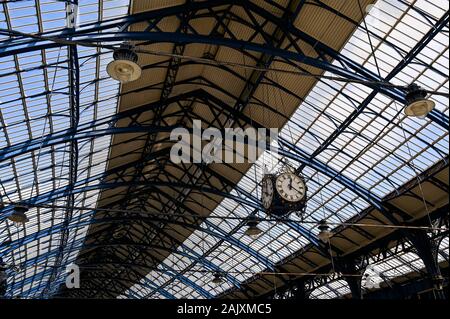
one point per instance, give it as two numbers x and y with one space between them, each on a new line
419 108
18 217
417 105
124 71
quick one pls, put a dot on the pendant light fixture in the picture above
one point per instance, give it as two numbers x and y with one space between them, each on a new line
217 279
417 105
19 216
252 227
324 233
124 68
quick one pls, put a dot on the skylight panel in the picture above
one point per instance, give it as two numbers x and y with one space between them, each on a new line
399 264
375 152
21 99
368 164
331 290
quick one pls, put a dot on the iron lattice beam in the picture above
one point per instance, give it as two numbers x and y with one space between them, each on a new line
270 50
88 34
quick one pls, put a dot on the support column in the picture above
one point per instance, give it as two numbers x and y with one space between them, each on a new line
300 291
3 279
352 273
427 250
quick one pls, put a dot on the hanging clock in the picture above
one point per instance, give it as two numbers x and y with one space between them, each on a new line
283 193
267 191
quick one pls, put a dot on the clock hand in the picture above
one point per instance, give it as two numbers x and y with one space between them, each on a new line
298 190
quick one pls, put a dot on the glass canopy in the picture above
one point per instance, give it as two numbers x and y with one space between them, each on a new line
27 111
381 150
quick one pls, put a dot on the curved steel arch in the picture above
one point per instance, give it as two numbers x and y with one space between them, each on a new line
84 132
83 35
146 282
235 242
191 254
148 285
320 167
216 232
52 195
297 159
362 191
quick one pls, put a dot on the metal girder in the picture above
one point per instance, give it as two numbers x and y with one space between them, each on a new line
238 44
439 118
276 40
299 228
86 130
162 266
114 119
379 249
211 229
322 64
60 138
322 169
65 191
8 246
88 34
74 104
186 252
230 233
436 116
117 172
230 239
292 151
168 85
137 265
58 282
385 247
226 237
148 284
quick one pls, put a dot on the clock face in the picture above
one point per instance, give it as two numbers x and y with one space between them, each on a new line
290 187
267 192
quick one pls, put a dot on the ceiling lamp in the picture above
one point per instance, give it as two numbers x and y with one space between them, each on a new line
19 216
218 278
325 233
124 67
417 105
252 228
